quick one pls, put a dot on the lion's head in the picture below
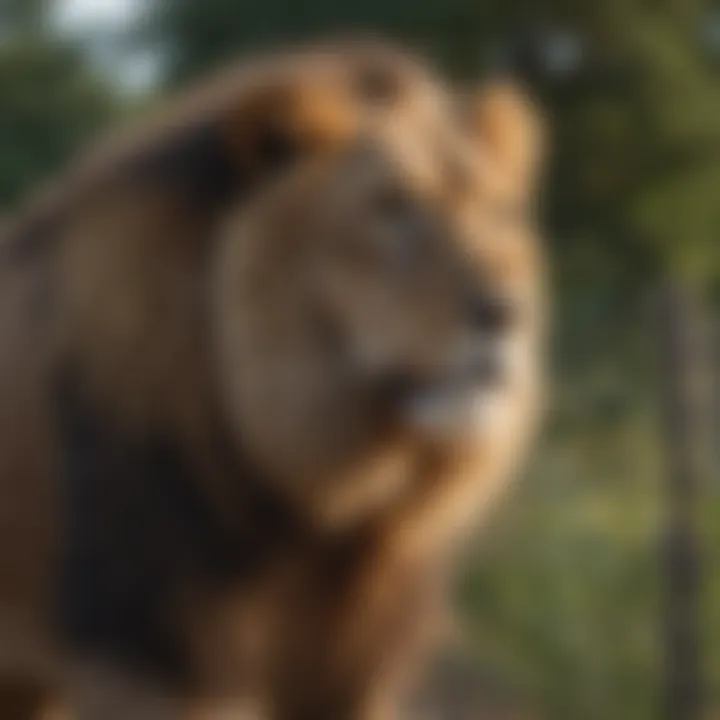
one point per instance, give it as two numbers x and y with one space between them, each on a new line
379 302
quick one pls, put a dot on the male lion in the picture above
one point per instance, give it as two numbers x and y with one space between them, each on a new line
260 364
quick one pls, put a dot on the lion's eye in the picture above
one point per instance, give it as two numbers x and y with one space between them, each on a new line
401 223
393 203
378 84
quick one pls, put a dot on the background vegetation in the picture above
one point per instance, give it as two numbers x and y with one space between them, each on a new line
594 594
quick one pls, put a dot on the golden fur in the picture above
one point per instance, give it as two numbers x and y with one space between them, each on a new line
223 342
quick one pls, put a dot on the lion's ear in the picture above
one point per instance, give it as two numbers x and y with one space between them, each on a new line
275 125
512 133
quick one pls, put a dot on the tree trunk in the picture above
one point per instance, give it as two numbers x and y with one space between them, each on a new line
680 354
715 370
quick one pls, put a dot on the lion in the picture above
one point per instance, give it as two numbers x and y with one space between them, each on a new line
263 364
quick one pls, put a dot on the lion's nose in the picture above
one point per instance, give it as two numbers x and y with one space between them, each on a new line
492 314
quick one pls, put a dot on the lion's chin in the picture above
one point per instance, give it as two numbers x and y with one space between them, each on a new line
454 412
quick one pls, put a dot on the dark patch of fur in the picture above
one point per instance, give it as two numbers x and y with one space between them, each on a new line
197 163
138 533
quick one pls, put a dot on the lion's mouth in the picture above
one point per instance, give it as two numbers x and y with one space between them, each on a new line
457 402
456 407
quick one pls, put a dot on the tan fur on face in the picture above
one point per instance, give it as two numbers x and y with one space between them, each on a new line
310 249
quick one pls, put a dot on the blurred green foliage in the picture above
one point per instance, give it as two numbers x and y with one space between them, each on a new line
52 102
198 36
51 106
563 597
